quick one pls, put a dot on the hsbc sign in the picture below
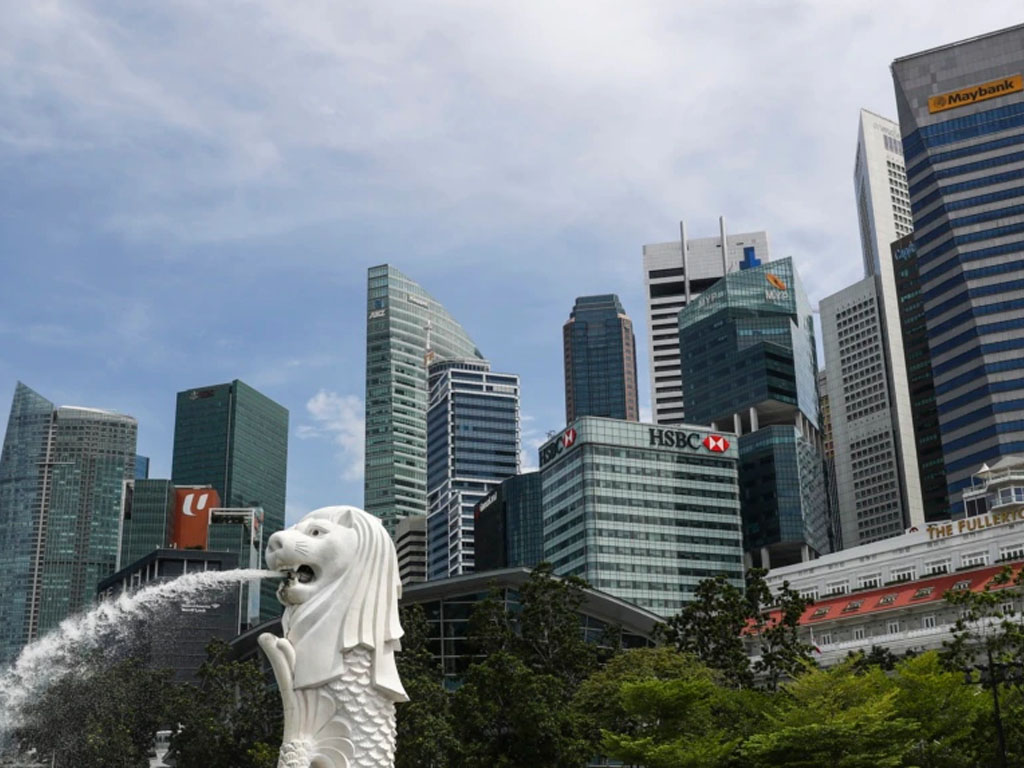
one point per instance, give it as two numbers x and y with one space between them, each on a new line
671 438
556 447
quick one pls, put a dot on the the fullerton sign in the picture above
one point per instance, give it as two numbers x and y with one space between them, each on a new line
976 523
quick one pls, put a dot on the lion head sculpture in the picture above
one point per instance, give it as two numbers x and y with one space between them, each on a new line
341 590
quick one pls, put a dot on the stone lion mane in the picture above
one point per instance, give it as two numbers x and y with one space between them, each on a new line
361 608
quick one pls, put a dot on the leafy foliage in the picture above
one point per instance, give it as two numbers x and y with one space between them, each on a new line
102 717
425 733
717 626
231 719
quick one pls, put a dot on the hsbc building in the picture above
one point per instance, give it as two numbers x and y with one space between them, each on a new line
643 512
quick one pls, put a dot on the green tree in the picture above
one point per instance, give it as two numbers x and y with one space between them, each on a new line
103 717
508 716
515 705
230 719
425 735
711 628
543 629
833 718
662 709
725 624
951 719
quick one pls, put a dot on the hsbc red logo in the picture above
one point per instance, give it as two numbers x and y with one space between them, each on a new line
716 443
562 443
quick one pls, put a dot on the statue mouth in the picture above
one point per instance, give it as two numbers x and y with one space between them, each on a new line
303 574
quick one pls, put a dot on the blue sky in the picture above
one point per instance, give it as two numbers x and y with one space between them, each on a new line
191 192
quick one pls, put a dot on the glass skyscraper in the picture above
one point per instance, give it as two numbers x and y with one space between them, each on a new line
961 110
750 366
600 360
236 439
930 466
148 517
509 524
642 512
403 321
472 445
62 477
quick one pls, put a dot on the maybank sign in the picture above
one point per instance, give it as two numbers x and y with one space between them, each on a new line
975 93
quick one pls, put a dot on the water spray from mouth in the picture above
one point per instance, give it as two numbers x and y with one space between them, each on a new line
111 622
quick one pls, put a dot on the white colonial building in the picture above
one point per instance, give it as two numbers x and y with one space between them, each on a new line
891 592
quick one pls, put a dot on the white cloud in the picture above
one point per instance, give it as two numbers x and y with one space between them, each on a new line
339 418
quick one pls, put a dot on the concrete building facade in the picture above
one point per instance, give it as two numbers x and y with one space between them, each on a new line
877 497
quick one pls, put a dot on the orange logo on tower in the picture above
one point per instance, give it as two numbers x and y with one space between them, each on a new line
775 281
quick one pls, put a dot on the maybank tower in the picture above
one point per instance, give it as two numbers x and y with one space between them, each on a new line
961 111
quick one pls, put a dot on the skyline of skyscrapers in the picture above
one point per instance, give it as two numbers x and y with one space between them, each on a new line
961 112
748 354
62 476
473 443
673 277
599 351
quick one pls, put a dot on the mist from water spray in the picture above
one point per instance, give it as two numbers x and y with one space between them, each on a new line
63 650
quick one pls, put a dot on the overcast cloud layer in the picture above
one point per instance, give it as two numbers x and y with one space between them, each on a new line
192 192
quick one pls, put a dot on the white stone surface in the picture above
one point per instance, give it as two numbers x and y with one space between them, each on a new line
335 665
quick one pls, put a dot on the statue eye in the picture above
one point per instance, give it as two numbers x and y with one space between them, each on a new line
315 532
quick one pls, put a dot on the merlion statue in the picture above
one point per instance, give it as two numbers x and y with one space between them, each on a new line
335 665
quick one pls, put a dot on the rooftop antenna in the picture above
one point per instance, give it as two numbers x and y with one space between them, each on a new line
725 247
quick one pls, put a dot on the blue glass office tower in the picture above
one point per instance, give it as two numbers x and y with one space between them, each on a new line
62 477
600 360
961 110
472 445
750 366
402 322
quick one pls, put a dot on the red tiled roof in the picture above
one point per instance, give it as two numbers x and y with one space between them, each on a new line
901 595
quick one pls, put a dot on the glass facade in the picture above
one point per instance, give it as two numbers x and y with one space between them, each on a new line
964 161
600 360
749 359
931 467
403 323
62 477
236 439
472 445
148 516
510 524
642 512
449 604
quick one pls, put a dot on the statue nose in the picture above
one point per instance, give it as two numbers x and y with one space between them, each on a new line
274 543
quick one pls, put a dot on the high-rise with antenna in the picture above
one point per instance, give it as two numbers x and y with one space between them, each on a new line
673 276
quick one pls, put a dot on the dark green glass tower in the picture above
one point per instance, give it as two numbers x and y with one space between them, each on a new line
750 367
236 439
